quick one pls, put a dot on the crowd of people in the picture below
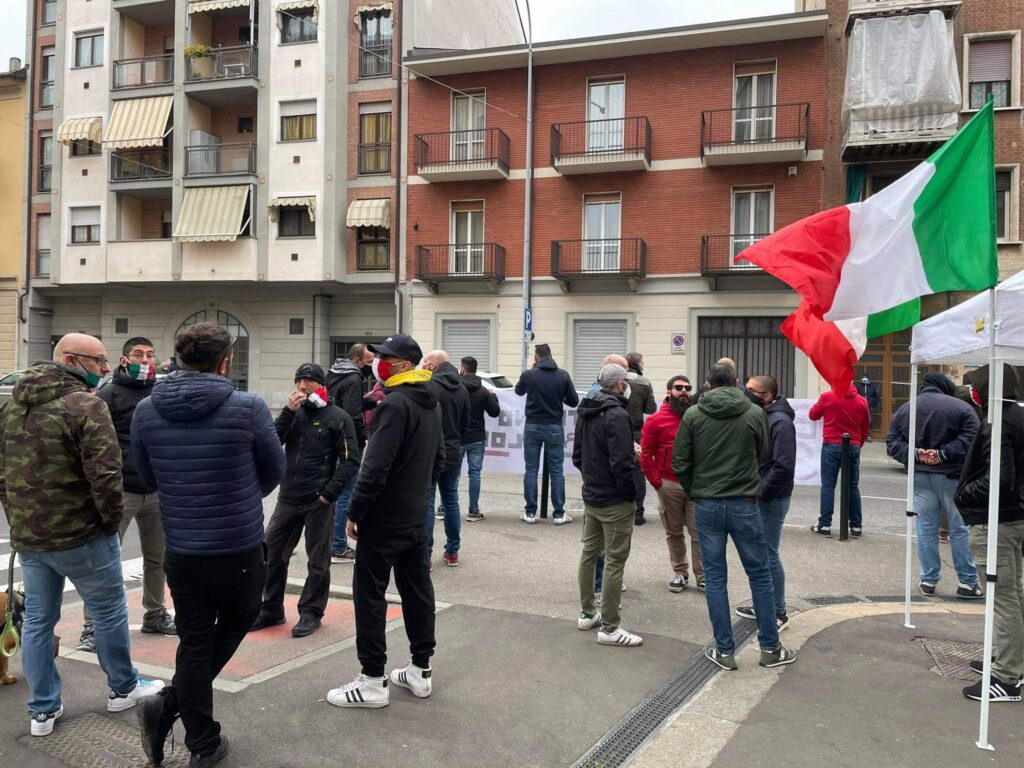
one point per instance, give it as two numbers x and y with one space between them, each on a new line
359 455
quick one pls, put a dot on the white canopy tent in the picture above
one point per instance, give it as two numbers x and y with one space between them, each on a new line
987 329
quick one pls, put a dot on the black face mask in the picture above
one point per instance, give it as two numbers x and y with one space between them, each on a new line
366 370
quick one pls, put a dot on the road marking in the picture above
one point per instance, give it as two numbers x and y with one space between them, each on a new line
884 498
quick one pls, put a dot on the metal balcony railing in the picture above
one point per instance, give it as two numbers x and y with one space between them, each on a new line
375 158
220 159
484 146
460 261
140 164
46 88
222 63
718 254
375 60
42 262
624 257
45 178
144 72
601 138
774 123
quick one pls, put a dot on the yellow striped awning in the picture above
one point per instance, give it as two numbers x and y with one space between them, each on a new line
276 202
369 213
385 7
80 129
138 123
211 213
201 6
294 5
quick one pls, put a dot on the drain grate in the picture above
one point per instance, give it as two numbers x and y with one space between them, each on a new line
833 600
951 657
621 743
95 741
896 598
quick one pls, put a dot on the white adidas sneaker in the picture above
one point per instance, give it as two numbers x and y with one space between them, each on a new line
42 722
585 622
368 692
413 678
119 702
619 637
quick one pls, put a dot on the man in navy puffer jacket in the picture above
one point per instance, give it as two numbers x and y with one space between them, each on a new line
212 453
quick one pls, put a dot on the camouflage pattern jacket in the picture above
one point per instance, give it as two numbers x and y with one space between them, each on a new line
60 464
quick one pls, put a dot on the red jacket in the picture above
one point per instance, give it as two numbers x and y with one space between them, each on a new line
657 439
848 413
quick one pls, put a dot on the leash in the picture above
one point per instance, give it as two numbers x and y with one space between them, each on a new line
9 629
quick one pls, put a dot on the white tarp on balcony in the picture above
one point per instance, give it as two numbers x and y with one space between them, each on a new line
901 77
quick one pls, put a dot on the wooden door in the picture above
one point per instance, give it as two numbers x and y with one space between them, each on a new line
886 361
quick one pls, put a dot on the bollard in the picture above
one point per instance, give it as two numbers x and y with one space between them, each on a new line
545 482
844 489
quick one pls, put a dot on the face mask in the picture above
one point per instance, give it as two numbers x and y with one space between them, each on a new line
976 397
627 392
92 379
318 399
141 371
382 370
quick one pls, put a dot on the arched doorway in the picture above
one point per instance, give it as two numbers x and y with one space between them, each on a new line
240 350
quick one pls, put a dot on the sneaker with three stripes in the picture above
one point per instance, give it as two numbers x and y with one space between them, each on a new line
414 679
364 691
997 691
619 637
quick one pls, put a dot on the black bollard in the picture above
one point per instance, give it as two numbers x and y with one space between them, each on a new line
844 489
545 482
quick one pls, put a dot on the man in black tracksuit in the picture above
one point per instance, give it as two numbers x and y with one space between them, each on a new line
482 401
640 402
322 454
387 516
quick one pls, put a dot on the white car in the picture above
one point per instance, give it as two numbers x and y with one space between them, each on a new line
494 381
7 385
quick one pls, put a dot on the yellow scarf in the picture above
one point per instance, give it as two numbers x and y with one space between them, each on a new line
415 376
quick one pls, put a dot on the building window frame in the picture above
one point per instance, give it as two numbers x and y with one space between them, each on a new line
375 156
1015 74
293 223
759 116
375 46
296 124
48 67
86 148
44 182
96 53
601 254
371 242
43 255
296 326
739 241
49 13
297 26
85 234
246 125
1011 205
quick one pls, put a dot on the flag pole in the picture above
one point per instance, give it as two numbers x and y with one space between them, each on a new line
911 458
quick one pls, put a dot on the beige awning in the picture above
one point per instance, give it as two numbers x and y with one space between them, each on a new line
276 202
138 123
372 8
369 213
294 5
211 213
80 129
201 6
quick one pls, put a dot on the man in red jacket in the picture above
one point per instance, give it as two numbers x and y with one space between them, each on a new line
657 438
846 413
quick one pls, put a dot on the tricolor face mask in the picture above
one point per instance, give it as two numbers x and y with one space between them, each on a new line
141 371
317 398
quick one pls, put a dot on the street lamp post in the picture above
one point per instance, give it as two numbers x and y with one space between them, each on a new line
527 325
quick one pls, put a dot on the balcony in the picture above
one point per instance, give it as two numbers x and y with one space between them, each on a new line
143 73
375 59
607 261
46 88
223 76
460 263
45 178
139 261
601 146
375 158
718 263
140 164
237 159
860 9
462 155
771 134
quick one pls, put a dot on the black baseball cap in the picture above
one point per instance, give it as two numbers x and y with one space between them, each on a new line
399 345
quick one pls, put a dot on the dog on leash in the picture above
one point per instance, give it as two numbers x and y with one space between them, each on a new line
19 618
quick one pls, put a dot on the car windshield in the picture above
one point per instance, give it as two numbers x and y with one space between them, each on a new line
501 382
10 379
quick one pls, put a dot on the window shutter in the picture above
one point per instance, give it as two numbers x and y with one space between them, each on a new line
592 340
990 60
375 108
81 217
472 338
43 232
293 108
1003 179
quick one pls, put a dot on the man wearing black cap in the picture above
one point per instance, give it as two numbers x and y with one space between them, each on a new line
322 454
387 516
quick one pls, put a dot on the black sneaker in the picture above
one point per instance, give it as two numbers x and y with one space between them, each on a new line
927 588
979 666
969 592
700 584
474 516
746 612
639 520
678 584
997 691
826 532
855 533
161 626
87 640
202 761
265 620
781 622
306 626
155 724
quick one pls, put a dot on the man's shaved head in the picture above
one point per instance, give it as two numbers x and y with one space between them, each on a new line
78 343
436 357
615 360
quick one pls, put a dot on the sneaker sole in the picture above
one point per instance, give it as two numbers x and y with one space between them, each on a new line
995 699
48 728
413 691
559 521
677 590
474 519
629 644
451 564
359 704
121 705
531 521
971 597
341 560
151 631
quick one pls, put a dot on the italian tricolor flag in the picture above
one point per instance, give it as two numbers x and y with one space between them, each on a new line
862 268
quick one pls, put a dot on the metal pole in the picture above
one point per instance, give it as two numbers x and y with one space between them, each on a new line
911 514
545 483
844 489
528 194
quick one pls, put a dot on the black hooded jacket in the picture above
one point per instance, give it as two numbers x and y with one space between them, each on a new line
122 397
322 452
547 387
944 422
779 469
481 401
454 400
345 386
603 450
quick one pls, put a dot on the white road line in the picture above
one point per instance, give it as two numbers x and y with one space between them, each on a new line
131 570
884 498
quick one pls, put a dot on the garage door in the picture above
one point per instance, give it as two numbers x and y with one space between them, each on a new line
592 340
467 338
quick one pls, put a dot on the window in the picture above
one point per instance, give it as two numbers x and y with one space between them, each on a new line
49 12
752 217
606 108
89 49
45 162
753 98
469 121
293 221
374 245
298 26
375 42
245 125
245 35
47 74
85 225
169 44
166 225
296 326
989 71
592 339
375 138
298 120
84 148
755 344
1007 205
467 338
42 244
467 251
121 326
602 220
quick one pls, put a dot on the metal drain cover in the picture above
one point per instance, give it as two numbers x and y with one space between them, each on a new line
95 741
833 600
951 657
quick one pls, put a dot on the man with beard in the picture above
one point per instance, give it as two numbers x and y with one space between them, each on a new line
677 516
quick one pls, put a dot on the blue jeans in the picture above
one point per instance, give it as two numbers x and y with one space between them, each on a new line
340 543
95 571
717 519
933 495
475 452
448 482
831 460
773 515
552 437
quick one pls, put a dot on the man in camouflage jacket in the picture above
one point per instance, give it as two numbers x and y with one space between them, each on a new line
60 484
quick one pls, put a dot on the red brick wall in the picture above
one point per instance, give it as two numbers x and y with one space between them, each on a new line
224 123
369 97
152 218
351 241
348 24
154 41
225 28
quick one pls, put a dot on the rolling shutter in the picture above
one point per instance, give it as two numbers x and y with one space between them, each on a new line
990 60
592 340
467 338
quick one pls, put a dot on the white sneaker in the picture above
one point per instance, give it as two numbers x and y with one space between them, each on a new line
562 519
42 722
529 519
584 622
370 692
119 702
413 678
619 637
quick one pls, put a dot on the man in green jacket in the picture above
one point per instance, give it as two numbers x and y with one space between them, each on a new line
720 444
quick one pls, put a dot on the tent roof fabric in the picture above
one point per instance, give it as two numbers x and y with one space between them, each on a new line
201 6
210 214
369 213
371 8
294 5
80 129
307 201
139 123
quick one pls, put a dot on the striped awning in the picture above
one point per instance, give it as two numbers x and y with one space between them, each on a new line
201 6
370 8
138 123
294 5
369 213
211 213
80 129
276 202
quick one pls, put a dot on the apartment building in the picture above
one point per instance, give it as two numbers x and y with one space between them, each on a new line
884 116
658 156
222 160
13 133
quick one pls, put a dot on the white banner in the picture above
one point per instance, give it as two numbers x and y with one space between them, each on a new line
504 449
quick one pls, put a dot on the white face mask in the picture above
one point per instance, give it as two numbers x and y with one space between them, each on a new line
626 392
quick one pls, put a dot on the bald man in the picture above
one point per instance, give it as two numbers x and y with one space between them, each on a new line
612 359
61 489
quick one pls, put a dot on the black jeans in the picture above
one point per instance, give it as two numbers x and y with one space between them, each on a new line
216 601
379 551
639 481
283 532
